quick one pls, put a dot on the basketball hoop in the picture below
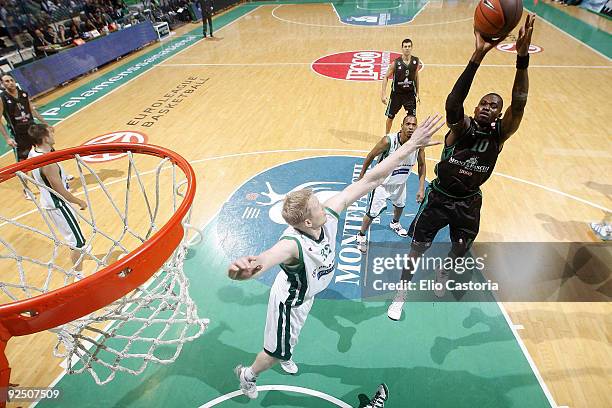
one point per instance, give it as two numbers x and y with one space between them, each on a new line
128 305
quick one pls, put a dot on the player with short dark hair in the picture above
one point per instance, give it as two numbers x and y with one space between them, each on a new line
394 186
19 114
404 73
471 148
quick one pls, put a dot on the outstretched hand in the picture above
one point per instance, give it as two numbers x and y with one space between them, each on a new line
484 44
243 268
524 38
422 134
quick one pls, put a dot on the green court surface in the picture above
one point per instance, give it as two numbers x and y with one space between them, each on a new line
438 355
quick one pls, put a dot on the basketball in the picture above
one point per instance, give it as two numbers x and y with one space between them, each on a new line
496 18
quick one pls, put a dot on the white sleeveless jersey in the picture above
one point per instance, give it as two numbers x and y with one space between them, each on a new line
314 272
401 172
47 199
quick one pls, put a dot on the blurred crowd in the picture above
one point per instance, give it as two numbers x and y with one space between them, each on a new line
49 25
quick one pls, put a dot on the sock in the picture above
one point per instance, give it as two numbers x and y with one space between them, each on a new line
249 375
394 221
361 233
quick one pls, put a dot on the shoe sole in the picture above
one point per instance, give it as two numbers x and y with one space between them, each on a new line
289 372
395 320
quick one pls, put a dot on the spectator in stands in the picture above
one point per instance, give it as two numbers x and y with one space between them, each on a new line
29 22
40 44
88 25
12 27
24 39
48 6
89 8
51 35
3 10
100 21
75 30
62 35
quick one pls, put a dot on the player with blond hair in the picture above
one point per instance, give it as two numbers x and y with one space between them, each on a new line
306 253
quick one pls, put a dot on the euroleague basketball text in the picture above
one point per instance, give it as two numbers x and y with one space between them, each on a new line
170 100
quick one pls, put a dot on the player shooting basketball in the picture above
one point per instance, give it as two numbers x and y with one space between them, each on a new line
471 148
306 253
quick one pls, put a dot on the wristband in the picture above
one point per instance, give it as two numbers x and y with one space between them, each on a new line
522 61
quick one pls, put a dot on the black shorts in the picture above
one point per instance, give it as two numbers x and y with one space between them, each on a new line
397 100
439 210
23 146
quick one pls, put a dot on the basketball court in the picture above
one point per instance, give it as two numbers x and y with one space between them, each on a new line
266 108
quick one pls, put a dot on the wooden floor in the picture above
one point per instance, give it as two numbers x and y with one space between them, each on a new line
261 95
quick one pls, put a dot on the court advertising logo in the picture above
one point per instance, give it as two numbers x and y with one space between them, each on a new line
511 48
251 221
355 65
164 105
122 136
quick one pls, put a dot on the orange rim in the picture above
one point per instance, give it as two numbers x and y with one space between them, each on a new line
70 302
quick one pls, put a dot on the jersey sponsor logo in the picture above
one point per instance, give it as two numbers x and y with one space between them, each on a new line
264 193
325 271
511 48
355 65
469 164
127 136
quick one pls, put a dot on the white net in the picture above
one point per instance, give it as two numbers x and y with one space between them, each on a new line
125 207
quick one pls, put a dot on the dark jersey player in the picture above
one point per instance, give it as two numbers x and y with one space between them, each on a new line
404 87
19 114
471 148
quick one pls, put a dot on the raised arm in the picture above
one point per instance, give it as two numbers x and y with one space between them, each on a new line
249 267
514 114
389 75
372 179
381 146
456 119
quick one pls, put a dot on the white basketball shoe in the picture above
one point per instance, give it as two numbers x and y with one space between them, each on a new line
248 387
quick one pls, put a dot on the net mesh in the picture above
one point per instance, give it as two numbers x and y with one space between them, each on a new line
125 207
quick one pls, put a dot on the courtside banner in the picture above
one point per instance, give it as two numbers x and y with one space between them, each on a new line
594 5
50 72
